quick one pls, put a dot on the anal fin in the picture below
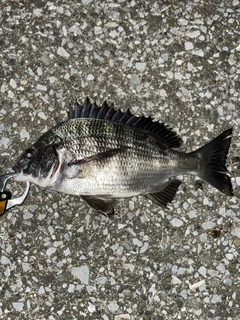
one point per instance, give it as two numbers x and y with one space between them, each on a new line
166 195
99 204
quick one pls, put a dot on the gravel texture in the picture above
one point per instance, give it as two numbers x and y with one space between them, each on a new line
176 61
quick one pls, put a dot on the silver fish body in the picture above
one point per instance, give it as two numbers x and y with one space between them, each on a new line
101 153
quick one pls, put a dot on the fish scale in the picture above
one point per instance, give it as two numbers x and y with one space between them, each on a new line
101 153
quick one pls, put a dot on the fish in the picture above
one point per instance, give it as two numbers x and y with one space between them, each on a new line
101 153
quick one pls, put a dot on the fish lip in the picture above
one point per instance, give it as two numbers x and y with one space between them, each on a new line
18 170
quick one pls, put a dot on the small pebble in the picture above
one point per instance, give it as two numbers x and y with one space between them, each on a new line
176 222
62 52
216 299
82 273
113 307
18 306
140 66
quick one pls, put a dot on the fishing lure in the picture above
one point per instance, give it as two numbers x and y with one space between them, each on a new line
6 200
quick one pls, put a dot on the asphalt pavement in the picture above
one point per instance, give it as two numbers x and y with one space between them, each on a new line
177 61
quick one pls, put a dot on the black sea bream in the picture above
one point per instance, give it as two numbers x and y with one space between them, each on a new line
101 153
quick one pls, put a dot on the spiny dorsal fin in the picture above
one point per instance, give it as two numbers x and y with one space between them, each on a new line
106 112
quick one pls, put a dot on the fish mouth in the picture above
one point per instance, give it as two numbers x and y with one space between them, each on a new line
17 174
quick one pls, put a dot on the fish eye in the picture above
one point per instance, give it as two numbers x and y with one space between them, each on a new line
29 154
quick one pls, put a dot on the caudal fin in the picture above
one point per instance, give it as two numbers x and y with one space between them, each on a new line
213 162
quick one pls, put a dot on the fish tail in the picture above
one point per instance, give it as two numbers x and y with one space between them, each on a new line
212 166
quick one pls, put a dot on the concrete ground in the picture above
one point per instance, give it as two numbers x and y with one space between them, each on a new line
175 61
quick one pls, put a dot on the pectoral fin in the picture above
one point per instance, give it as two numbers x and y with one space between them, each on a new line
75 168
166 195
96 157
102 205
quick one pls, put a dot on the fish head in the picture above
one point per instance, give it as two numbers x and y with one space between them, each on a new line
37 164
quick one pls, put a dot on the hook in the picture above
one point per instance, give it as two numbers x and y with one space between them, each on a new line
6 201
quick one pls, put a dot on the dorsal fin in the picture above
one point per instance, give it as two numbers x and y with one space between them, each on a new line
106 112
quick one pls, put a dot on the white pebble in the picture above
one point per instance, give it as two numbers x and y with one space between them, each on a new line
178 76
113 307
202 270
111 25
25 104
144 247
86 1
208 225
228 281
42 115
75 29
229 256
101 280
50 251
91 307
175 280
25 266
82 273
71 287
220 111
165 56
5 260
192 214
163 93
52 79
221 268
196 284
90 77
97 30
140 66
203 237
176 222
37 12
41 87
179 62
135 79
205 201
188 45
193 34
3 88
216 299
131 205
27 215
137 242
41 290
238 180
4 142
199 53
236 232
113 34
24 134
18 306
183 21
13 84
62 52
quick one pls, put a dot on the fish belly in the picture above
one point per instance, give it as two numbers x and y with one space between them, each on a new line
124 175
